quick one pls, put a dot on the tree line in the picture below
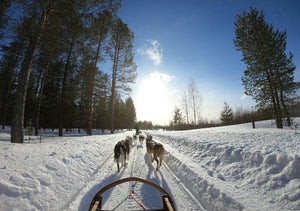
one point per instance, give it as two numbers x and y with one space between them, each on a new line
55 60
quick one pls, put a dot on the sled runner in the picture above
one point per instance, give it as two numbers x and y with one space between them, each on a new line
167 201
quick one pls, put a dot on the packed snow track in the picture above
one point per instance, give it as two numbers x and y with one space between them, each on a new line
118 198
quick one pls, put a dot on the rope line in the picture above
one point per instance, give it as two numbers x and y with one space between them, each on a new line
146 203
137 201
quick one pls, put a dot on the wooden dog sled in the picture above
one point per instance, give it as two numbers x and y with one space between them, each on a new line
167 201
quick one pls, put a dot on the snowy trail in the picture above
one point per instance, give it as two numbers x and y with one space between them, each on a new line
118 197
89 180
223 168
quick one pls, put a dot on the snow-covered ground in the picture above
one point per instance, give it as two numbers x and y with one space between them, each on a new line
223 168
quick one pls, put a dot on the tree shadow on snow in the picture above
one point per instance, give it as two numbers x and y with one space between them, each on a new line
88 197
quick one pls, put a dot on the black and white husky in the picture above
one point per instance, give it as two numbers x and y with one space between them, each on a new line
120 153
156 149
141 139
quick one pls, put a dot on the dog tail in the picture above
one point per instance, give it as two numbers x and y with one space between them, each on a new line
117 152
161 153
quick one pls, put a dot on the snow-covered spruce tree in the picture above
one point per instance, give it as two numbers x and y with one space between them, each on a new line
227 114
269 77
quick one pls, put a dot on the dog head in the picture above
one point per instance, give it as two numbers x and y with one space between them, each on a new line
149 138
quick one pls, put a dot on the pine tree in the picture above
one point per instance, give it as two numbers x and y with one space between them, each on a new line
178 118
100 29
74 27
9 62
37 19
227 114
102 90
130 113
269 75
124 68
4 5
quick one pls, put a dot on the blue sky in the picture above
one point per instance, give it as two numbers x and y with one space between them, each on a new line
179 41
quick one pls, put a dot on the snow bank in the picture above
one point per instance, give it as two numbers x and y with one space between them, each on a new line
258 168
45 176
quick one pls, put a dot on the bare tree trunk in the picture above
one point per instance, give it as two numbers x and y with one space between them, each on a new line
113 85
279 112
253 121
38 103
275 101
17 125
4 104
186 108
194 98
62 100
287 113
92 85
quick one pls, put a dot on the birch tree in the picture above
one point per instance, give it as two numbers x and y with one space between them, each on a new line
195 100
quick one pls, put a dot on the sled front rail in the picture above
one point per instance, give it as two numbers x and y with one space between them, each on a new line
96 204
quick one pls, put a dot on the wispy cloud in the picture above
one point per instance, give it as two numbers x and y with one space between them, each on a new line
153 50
161 76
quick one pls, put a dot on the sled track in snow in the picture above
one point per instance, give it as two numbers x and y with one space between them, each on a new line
136 170
89 180
137 166
183 188
165 177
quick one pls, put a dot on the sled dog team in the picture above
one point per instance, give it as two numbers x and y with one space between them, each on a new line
123 148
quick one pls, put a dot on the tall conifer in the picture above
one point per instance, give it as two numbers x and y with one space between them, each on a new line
269 75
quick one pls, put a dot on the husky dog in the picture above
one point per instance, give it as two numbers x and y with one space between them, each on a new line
158 152
128 145
156 149
120 153
141 139
134 139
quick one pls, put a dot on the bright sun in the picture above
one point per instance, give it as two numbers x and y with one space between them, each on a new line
152 101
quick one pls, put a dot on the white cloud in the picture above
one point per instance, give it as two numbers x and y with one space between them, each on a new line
244 97
161 76
152 50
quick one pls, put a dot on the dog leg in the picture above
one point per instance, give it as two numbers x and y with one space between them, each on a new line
149 158
117 160
157 162
124 161
160 161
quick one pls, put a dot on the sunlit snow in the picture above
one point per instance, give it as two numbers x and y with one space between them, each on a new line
222 168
